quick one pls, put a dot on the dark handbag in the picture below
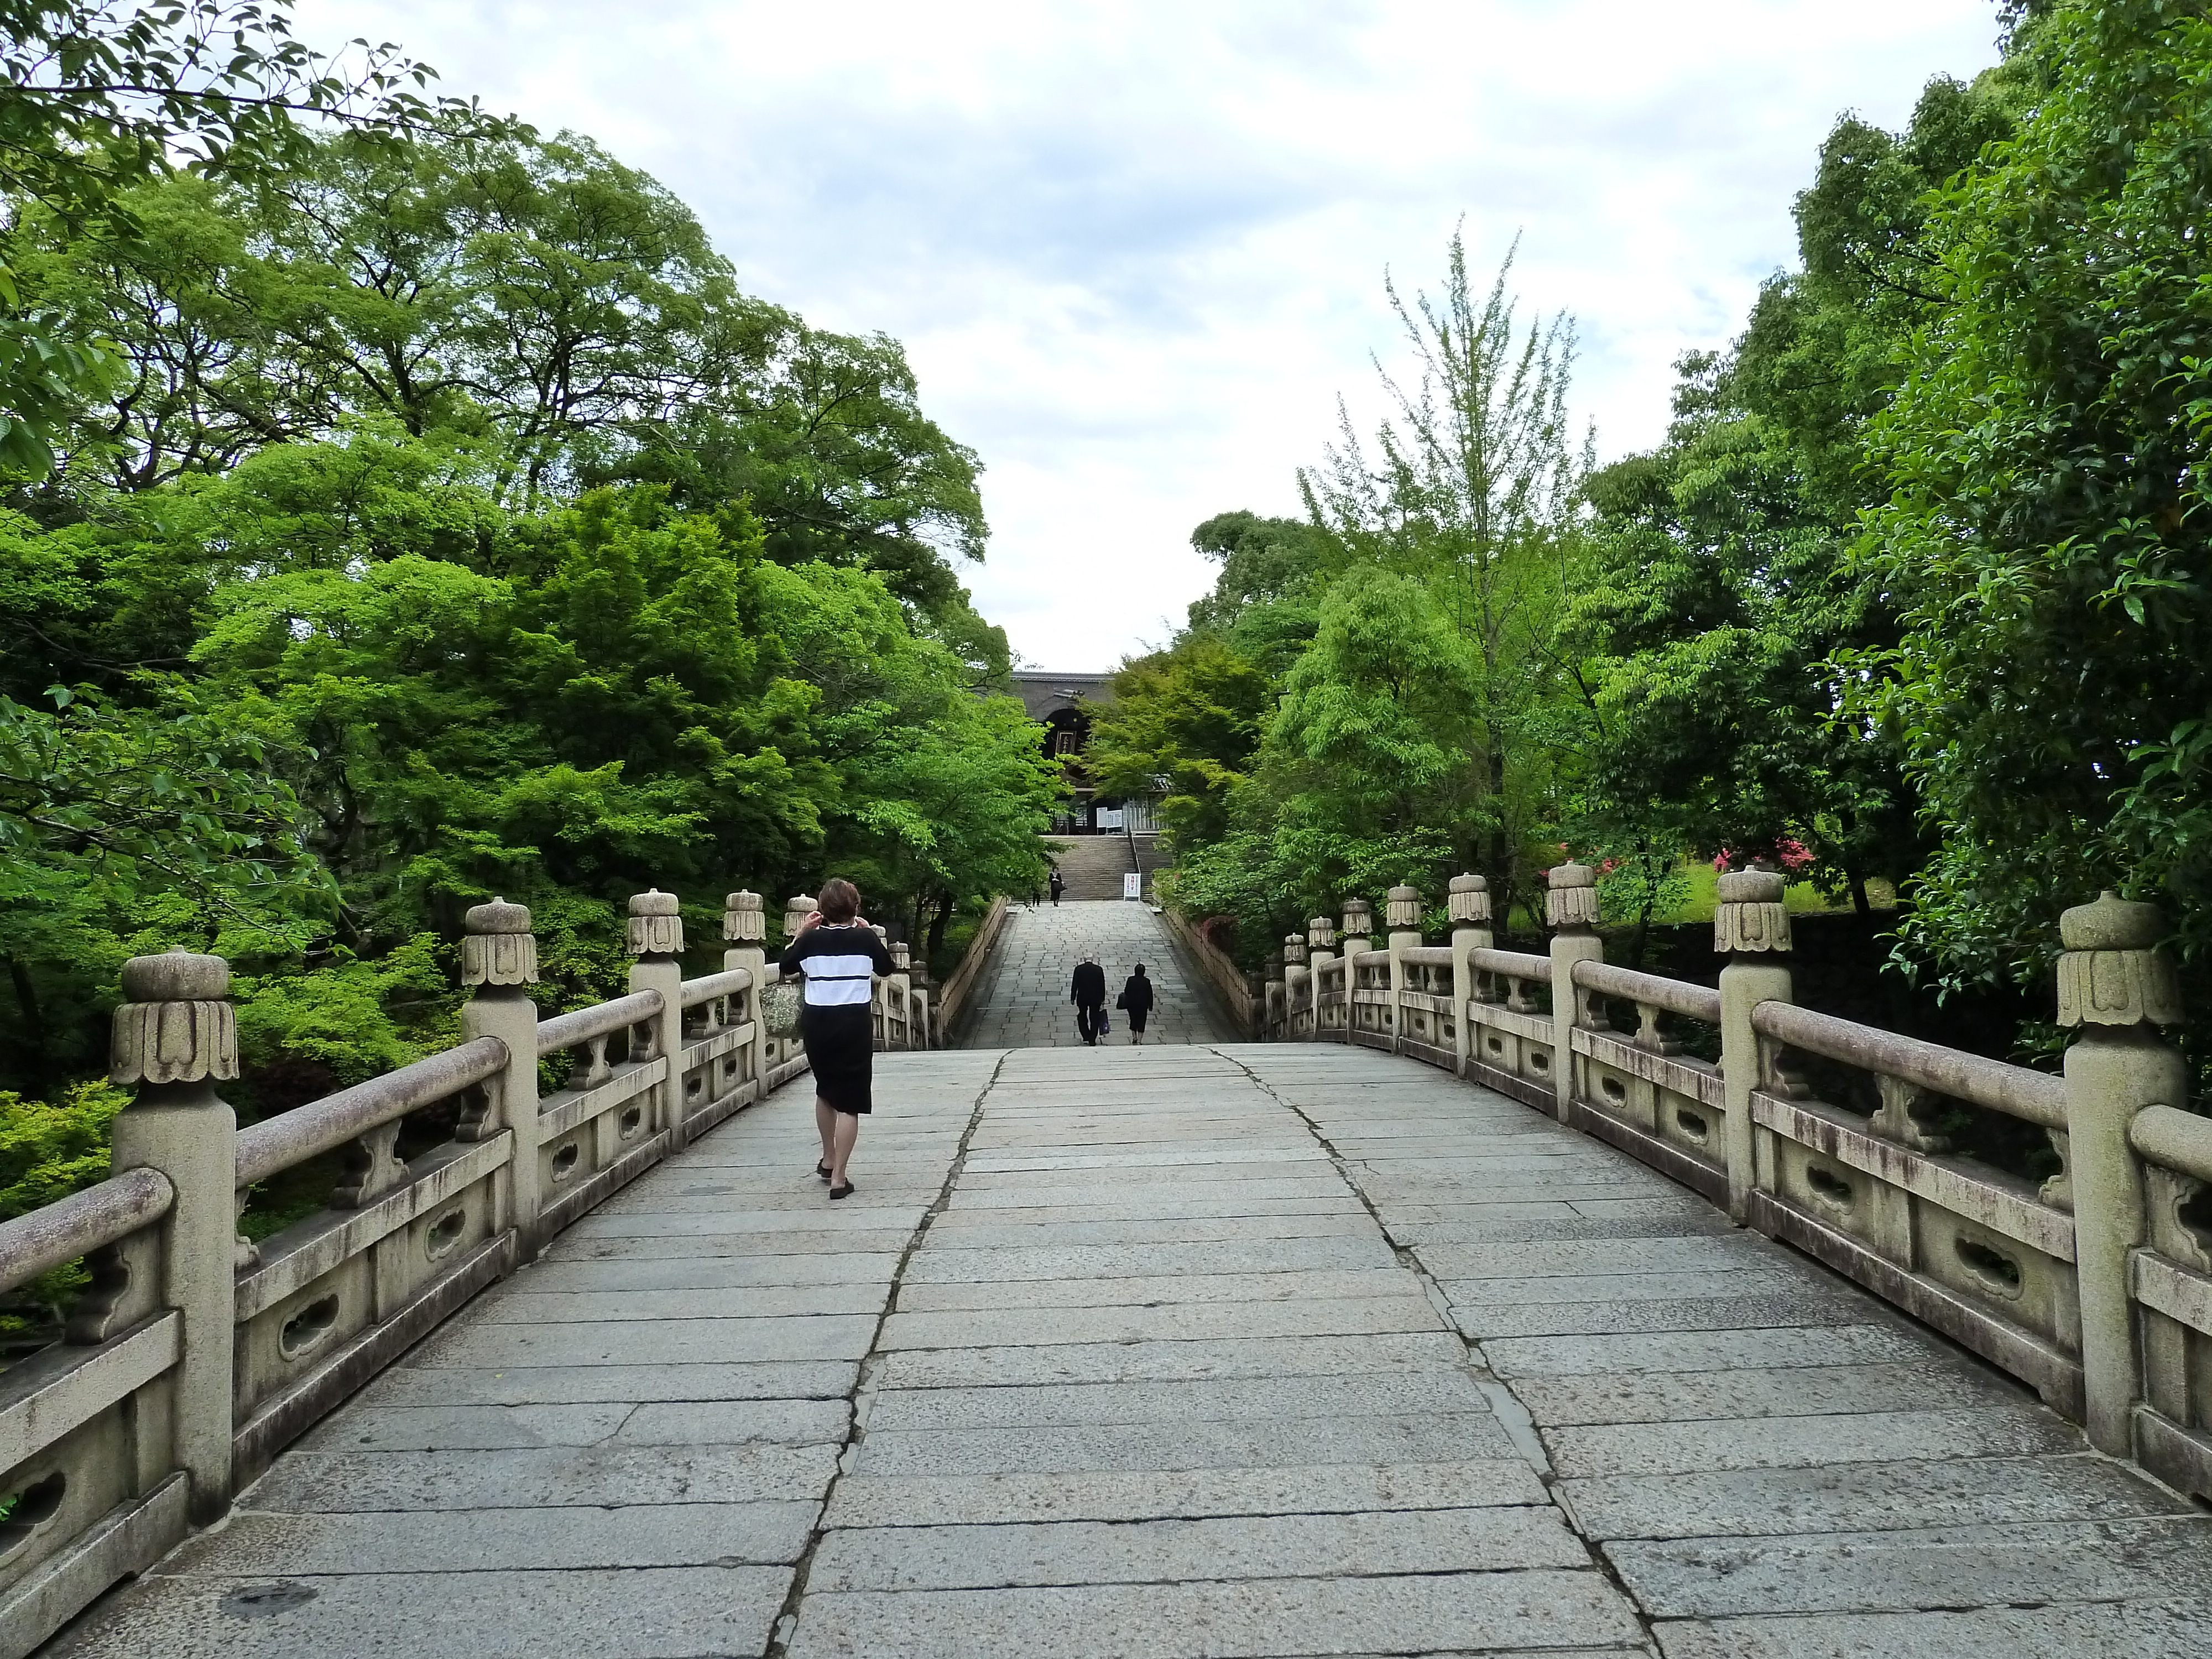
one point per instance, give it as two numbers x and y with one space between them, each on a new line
1121 1001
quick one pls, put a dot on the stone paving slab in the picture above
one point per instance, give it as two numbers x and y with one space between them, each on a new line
264 1545
1862 1496
2107 1630
1172 1447
1264 1399
1158 1552
633 1613
1252 1618
1246 1287
1790 1391
1922 1570
868 1501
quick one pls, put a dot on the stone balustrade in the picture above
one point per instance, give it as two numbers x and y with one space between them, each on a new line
2093 1287
196 1357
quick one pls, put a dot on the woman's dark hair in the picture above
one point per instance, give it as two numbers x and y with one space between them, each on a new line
1140 970
840 900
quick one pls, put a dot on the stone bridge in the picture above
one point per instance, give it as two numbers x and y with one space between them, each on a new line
1365 1338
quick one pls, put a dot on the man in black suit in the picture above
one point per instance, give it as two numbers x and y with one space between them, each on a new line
1088 993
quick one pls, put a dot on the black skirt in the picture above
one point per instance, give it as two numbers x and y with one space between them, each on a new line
840 1049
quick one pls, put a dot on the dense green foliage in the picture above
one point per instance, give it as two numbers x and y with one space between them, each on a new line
1914 592
451 525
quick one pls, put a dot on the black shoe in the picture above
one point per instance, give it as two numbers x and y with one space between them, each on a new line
845 1191
821 1170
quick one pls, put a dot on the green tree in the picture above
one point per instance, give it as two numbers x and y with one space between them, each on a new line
96 97
2044 535
1476 489
1184 725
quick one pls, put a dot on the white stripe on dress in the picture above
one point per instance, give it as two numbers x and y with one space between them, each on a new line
837 982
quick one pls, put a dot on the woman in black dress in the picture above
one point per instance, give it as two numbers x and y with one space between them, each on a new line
840 954
1137 999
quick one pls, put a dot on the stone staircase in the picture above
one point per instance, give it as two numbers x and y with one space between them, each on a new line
1092 865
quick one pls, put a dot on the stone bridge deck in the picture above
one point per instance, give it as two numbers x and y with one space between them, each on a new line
1179 1351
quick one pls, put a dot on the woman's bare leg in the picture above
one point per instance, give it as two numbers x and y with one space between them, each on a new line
847 1131
825 1120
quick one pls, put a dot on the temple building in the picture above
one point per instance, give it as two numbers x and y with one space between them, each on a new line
1062 703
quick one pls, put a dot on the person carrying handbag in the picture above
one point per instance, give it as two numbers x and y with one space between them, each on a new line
1136 1001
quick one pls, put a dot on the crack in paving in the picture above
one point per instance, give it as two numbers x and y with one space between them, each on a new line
863 1392
1512 1413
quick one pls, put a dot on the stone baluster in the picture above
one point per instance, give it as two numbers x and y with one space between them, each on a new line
744 929
796 909
1751 929
1321 950
2115 986
1468 905
175 1036
1571 909
1402 915
1358 923
656 941
900 990
499 961
1297 987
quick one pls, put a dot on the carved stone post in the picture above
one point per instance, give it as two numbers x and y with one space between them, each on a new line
1571 909
745 926
796 909
1751 927
902 990
2114 986
1358 923
1321 950
1468 905
176 1037
499 958
1298 984
656 939
1402 913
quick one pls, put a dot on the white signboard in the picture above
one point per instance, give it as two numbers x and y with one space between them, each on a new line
1132 885
1109 817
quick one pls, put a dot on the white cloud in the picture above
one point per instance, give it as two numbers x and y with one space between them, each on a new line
1135 250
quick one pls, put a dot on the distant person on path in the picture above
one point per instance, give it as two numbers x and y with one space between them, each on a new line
1136 998
1057 884
839 953
1088 993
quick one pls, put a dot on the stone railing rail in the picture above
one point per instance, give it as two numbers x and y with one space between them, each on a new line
960 983
2094 1287
196 1356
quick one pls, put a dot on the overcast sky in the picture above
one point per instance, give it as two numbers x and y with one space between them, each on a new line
1135 251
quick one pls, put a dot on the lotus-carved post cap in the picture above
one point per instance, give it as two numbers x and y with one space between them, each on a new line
1294 950
1320 932
1403 906
1751 887
1358 917
744 919
1571 901
1752 919
2113 923
176 976
497 947
902 955
176 1026
655 928
1469 899
497 917
2111 972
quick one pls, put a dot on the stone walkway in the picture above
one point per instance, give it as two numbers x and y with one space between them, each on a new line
1252 1350
1023 1001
